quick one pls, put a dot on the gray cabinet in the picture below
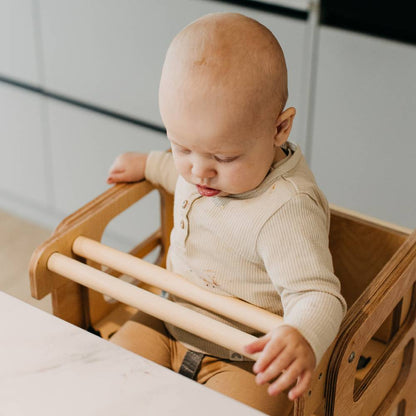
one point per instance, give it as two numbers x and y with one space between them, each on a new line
19 46
364 139
23 156
111 53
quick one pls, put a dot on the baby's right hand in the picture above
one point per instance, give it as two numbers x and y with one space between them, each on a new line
128 167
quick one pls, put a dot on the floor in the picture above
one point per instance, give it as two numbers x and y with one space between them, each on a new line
18 239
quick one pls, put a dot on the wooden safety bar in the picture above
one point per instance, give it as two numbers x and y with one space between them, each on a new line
157 306
154 275
152 304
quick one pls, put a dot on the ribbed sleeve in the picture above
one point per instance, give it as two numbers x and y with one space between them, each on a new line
160 170
303 274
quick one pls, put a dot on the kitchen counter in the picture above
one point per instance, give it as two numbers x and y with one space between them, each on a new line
50 367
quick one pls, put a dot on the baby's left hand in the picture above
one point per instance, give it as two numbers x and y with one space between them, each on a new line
286 357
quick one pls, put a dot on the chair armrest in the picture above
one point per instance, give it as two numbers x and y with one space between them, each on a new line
89 221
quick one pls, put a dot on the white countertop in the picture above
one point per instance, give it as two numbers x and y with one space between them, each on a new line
50 367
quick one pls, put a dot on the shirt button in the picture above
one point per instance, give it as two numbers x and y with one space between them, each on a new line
182 224
184 203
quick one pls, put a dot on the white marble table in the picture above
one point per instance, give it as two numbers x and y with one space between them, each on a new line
50 367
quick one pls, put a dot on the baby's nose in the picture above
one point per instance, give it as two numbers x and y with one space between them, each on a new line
203 170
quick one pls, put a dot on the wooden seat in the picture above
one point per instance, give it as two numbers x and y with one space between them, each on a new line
375 261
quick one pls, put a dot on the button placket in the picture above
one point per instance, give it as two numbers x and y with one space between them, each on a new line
186 206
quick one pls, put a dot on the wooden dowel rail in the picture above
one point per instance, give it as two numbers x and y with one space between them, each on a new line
155 305
149 273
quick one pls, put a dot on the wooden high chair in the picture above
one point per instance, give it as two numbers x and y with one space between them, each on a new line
368 370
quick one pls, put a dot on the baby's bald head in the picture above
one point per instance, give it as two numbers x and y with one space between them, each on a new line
228 58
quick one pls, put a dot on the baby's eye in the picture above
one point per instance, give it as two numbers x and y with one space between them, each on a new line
223 159
182 150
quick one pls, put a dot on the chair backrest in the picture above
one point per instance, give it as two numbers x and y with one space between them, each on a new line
360 247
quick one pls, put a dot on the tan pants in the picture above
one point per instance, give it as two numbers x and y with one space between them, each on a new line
148 337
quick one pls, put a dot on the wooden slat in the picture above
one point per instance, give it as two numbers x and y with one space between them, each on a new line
191 321
140 251
232 308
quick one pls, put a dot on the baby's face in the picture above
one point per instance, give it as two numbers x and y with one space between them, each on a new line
218 146
223 85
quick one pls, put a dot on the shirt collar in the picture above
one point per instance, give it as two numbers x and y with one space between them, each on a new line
277 170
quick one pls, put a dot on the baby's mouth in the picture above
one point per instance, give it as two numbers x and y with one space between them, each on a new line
205 191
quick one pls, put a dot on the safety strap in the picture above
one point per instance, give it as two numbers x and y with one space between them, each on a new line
191 364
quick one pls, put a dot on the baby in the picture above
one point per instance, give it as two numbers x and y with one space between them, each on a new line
249 219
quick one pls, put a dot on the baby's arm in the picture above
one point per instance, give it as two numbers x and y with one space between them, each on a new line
286 357
294 248
127 167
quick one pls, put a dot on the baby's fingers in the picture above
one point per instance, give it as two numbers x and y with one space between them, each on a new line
258 345
270 353
274 369
301 386
285 380
116 176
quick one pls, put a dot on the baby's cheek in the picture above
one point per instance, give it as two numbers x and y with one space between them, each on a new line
235 179
182 167
243 181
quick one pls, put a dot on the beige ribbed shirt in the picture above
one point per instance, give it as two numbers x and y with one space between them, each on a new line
267 246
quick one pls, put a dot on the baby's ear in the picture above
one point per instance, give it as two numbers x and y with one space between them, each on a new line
284 125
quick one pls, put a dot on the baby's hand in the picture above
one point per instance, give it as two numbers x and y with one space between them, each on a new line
286 358
128 167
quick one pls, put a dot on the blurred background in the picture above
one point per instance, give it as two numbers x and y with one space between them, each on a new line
79 82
